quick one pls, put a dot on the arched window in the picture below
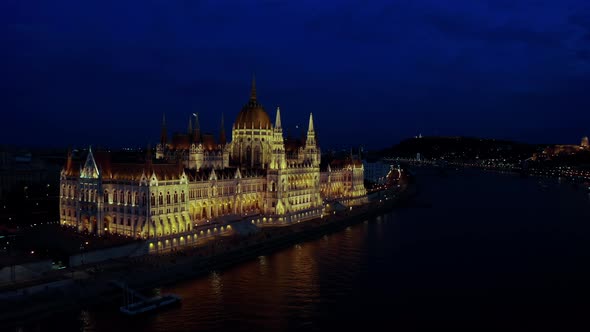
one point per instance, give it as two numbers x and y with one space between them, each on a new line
143 199
153 199
106 197
115 196
136 201
129 197
161 199
121 197
175 197
168 198
182 196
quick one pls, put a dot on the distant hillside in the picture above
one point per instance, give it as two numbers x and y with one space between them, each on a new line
463 148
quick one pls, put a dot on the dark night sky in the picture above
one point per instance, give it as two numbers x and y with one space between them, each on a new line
372 72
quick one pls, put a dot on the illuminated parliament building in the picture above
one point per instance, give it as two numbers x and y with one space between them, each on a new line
197 184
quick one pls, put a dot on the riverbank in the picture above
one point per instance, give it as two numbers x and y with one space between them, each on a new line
568 173
93 287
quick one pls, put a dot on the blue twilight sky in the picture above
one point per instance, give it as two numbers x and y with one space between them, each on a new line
372 72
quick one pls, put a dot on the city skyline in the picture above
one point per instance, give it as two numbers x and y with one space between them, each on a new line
373 73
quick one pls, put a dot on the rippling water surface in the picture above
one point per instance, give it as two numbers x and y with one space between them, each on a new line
476 250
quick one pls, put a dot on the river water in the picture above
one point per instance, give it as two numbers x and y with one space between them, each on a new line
481 251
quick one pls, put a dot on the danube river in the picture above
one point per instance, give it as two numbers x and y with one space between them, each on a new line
475 250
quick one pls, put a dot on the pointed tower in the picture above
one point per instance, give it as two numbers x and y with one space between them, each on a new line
312 153
310 133
197 130
222 138
278 160
163 133
69 161
90 169
278 119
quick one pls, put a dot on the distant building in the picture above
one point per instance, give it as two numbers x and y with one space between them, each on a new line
195 179
555 150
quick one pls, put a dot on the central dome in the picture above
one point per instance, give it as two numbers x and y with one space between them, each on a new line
253 114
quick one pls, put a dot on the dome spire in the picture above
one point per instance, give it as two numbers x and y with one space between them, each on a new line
253 88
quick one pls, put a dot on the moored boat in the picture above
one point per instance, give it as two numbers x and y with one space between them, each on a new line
152 304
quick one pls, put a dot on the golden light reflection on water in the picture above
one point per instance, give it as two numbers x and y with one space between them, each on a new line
86 320
262 265
270 292
216 283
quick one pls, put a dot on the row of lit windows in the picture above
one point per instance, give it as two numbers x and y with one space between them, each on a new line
69 193
121 197
170 199
225 190
299 200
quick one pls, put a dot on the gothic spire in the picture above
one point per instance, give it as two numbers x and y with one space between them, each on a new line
197 131
278 118
90 170
69 160
310 127
222 139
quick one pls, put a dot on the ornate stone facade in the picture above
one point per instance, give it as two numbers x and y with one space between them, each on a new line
196 182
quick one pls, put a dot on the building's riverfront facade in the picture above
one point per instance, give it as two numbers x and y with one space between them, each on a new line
195 181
